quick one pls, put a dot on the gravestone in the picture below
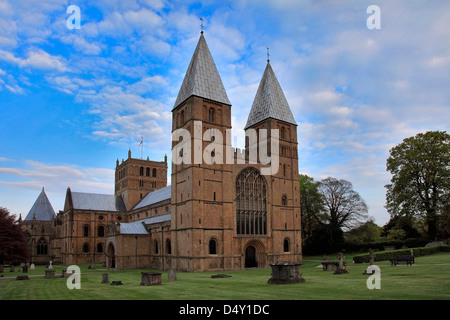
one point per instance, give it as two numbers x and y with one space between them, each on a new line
50 264
32 266
172 275
49 273
341 268
116 283
371 262
105 278
11 268
285 272
2 268
25 269
150 278
22 278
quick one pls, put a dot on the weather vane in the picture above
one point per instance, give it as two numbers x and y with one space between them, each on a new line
201 24
268 55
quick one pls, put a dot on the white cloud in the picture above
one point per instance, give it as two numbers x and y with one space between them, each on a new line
37 59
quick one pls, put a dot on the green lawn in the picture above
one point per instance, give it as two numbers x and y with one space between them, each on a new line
428 278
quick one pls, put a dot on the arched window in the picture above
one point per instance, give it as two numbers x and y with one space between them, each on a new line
156 246
99 247
85 231
211 115
85 247
284 200
141 171
251 203
41 247
147 172
154 173
168 247
286 245
182 117
101 231
283 133
212 246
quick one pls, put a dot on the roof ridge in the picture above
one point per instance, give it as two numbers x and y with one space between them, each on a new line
269 101
202 78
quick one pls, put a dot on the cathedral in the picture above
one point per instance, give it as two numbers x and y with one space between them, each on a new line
223 210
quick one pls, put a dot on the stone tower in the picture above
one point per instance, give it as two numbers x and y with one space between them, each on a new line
135 178
270 110
200 201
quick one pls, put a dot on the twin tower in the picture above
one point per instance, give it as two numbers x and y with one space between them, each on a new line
230 214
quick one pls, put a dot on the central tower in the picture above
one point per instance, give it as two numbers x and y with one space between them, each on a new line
202 225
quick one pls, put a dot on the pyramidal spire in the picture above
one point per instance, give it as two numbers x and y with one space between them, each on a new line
202 78
42 209
270 101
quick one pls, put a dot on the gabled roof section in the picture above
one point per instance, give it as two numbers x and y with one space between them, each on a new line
155 197
96 201
202 78
42 209
270 101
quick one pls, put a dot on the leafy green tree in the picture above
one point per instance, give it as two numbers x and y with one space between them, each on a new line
311 206
420 183
366 233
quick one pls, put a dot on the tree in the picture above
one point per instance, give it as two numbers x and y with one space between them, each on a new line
420 183
311 206
13 244
345 209
336 207
366 233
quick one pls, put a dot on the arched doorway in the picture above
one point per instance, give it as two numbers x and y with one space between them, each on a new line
111 256
255 254
250 257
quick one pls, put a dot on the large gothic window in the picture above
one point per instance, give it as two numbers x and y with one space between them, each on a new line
251 203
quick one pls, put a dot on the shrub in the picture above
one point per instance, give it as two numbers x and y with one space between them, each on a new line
386 255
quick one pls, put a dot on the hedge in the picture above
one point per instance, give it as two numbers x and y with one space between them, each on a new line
386 255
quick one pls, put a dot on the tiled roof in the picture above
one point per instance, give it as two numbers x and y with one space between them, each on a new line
137 227
42 209
269 101
154 197
95 201
202 78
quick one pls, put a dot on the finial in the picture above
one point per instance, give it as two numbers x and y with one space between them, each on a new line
201 25
268 55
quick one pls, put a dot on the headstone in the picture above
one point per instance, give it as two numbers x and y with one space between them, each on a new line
11 268
371 257
371 262
341 268
50 264
150 278
22 278
172 275
32 266
116 283
25 269
49 273
105 278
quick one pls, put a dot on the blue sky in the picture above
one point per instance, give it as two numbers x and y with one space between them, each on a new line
73 101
